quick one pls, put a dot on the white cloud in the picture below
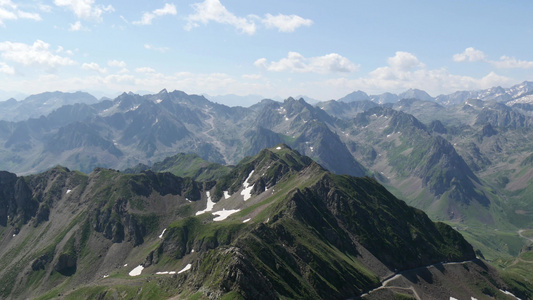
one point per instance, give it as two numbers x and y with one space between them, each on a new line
213 10
145 70
168 9
252 76
10 11
77 27
85 9
36 54
116 63
470 54
507 62
158 49
404 61
285 23
4 68
295 62
93 67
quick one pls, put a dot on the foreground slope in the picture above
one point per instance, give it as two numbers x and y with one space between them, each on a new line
277 226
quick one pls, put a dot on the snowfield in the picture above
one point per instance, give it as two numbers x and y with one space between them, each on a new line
210 205
247 191
223 214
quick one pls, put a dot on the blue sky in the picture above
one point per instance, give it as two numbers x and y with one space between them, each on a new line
324 50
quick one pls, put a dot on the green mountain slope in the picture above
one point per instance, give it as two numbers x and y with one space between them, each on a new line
277 226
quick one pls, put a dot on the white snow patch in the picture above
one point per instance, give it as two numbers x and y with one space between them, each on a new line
246 220
161 235
125 265
510 294
278 148
452 298
210 205
226 195
137 271
68 191
187 267
158 101
312 149
472 298
286 119
162 273
192 251
223 214
105 276
14 235
247 191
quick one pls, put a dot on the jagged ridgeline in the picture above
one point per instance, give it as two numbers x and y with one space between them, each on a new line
277 225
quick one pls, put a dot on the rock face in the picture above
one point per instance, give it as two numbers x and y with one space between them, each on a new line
66 264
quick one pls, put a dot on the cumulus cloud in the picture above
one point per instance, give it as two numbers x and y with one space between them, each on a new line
116 63
295 62
4 68
404 61
147 18
505 62
77 27
85 9
158 49
470 54
213 10
285 23
144 70
37 54
10 11
93 67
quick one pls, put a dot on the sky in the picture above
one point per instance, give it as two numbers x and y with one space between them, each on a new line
324 50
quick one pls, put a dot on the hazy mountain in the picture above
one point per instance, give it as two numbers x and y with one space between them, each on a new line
35 106
277 226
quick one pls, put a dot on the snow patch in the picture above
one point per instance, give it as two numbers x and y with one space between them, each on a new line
68 191
226 195
278 148
192 251
105 276
247 191
158 101
246 220
125 265
187 267
161 235
162 273
223 214
137 271
510 294
210 205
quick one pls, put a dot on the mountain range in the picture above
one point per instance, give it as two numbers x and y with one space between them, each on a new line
464 159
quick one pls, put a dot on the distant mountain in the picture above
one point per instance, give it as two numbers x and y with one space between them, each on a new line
355 96
277 226
236 100
520 93
41 105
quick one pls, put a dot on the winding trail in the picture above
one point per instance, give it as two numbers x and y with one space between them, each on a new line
387 280
523 236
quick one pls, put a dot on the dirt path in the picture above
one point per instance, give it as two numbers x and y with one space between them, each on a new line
386 281
525 237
